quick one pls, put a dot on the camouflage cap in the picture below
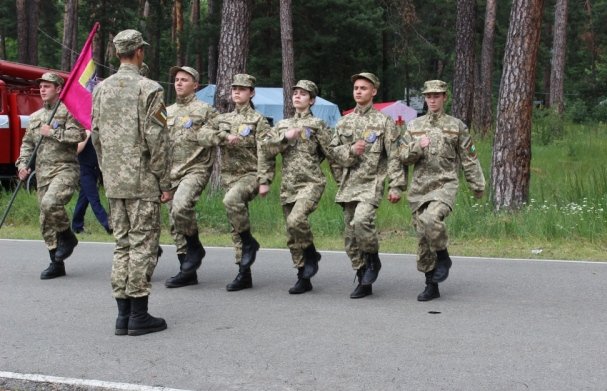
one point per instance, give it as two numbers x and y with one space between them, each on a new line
190 71
368 76
243 80
128 40
434 86
309 86
51 78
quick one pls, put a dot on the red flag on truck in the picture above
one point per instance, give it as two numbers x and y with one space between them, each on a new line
78 89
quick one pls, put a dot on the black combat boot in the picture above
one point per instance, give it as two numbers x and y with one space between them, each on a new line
181 279
54 269
66 242
302 285
443 264
140 321
373 266
431 291
194 254
361 290
311 258
124 312
242 281
250 246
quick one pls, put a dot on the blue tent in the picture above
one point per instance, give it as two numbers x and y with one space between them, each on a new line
268 101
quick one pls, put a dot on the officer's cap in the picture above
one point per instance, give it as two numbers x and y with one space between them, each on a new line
309 86
243 80
434 86
128 40
51 78
368 76
190 71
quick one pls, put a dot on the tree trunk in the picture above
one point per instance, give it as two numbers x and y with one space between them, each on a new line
177 31
70 28
483 114
559 45
27 30
233 48
463 80
153 15
288 67
212 51
196 44
511 161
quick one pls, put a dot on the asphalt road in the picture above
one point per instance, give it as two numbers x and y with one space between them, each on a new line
499 325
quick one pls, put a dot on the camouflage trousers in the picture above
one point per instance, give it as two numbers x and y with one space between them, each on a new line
182 212
360 235
137 232
52 199
236 202
299 234
429 222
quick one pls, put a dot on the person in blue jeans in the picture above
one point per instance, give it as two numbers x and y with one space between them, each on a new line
89 194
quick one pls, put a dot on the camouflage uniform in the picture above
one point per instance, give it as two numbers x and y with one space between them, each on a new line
57 168
362 185
132 143
435 177
244 166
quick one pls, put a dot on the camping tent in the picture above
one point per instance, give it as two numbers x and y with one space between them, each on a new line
395 110
268 101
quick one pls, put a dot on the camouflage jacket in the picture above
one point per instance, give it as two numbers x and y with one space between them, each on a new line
243 158
302 177
364 181
436 167
185 118
57 152
130 135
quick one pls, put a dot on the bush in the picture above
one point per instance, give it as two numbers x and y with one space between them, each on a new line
577 111
547 126
599 113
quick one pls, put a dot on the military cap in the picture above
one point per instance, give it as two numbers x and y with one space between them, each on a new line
128 40
51 78
190 71
434 86
309 86
368 76
243 80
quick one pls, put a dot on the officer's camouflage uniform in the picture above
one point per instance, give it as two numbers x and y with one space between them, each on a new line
362 185
435 178
131 139
57 168
302 179
191 164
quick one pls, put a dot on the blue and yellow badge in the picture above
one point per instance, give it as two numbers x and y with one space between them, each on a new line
55 124
369 136
306 133
244 130
187 122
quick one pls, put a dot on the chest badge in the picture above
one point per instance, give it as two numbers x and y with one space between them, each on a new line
369 136
306 133
55 124
187 122
244 130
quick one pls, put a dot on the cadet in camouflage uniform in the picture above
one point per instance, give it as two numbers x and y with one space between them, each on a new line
437 144
244 170
57 170
191 166
373 136
132 143
303 141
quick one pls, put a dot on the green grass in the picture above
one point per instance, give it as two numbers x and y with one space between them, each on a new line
566 216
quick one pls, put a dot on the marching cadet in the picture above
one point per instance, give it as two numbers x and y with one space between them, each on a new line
437 144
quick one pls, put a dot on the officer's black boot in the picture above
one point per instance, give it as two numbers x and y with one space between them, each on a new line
242 281
373 265
194 254
66 242
250 246
431 291
311 258
140 321
124 312
54 269
302 285
443 264
361 290
182 279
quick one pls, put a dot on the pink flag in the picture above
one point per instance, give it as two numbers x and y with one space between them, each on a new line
78 89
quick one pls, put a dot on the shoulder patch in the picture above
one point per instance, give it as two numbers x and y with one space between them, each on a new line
161 115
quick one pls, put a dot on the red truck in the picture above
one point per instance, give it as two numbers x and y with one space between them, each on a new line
19 97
